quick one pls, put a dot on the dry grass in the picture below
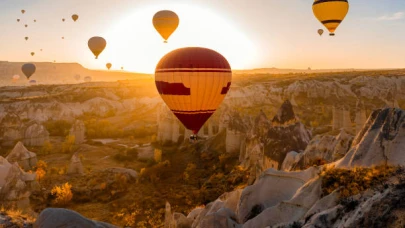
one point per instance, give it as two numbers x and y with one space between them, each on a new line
356 180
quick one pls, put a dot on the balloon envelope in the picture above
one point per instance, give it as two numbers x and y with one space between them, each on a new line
165 22
320 32
26 38
22 11
108 65
193 83
97 45
330 13
75 17
16 76
28 69
32 53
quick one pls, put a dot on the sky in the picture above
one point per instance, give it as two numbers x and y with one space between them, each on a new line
249 33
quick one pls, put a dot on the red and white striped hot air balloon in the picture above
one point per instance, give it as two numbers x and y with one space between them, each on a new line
193 82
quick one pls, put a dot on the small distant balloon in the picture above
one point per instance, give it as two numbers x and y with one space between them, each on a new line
16 77
28 69
122 68
108 65
35 20
75 17
63 19
97 45
18 20
26 26
63 37
87 79
22 11
32 53
40 49
165 22
320 32
33 82
26 38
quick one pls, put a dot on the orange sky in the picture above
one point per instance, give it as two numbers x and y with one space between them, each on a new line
250 34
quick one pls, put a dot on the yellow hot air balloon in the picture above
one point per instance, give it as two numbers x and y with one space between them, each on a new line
165 22
32 53
320 32
108 65
22 11
330 13
75 17
97 45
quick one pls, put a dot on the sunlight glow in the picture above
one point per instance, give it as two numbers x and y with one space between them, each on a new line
135 44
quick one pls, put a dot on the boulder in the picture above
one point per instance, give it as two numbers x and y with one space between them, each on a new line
26 159
59 217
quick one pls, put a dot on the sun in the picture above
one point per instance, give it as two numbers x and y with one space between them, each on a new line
134 43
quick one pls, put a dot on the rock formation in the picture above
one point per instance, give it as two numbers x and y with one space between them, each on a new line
268 143
323 149
341 119
59 217
25 159
168 126
15 184
79 131
35 135
75 165
381 141
235 133
10 130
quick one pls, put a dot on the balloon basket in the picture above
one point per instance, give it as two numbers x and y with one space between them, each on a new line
332 34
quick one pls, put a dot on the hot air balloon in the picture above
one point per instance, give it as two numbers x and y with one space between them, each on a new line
32 53
108 65
40 49
26 38
16 76
87 79
26 26
165 22
35 20
63 37
63 19
28 69
193 82
122 68
320 32
18 20
330 13
97 45
75 17
22 11
33 82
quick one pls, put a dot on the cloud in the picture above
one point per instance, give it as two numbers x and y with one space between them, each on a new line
392 17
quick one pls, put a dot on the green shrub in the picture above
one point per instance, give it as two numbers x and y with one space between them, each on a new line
58 127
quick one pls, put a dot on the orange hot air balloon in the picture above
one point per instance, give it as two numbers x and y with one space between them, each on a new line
193 82
75 17
108 65
97 45
165 22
